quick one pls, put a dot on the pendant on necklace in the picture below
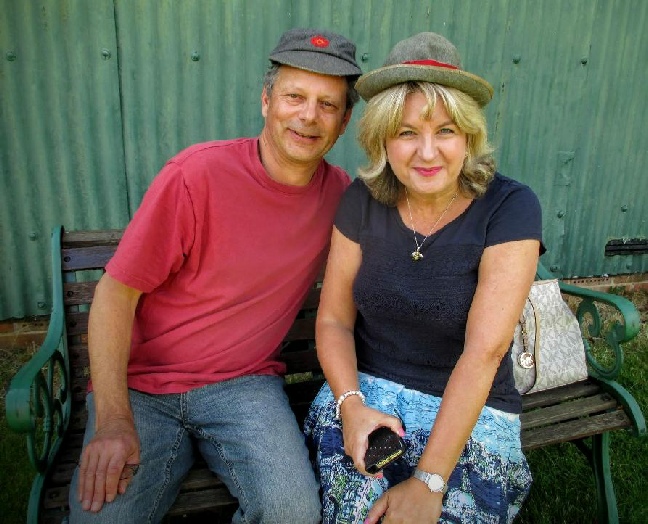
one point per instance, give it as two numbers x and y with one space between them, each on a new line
416 254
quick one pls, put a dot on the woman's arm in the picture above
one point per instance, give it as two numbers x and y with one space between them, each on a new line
336 317
506 272
336 347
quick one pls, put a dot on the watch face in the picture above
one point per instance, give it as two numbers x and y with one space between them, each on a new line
435 483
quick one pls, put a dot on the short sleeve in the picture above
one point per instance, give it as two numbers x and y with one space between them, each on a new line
158 239
348 219
518 217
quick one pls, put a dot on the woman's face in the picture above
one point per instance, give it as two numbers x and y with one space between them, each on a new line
427 155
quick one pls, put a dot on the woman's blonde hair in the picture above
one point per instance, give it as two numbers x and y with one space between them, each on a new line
382 119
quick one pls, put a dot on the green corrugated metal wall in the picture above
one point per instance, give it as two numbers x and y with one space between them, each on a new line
96 95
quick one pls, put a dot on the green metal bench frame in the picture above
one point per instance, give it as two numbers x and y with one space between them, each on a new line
38 402
589 318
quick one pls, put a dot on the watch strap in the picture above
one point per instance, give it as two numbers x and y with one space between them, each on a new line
433 481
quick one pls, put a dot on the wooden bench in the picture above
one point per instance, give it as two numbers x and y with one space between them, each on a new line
45 400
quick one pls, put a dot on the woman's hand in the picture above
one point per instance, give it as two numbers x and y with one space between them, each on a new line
358 421
409 501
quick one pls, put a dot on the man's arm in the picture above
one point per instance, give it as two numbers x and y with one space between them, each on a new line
115 442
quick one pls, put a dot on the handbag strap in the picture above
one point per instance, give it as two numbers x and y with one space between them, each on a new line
536 338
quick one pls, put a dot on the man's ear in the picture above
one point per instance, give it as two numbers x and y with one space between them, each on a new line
265 101
345 120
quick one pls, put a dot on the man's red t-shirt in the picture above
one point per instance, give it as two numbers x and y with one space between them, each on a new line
225 256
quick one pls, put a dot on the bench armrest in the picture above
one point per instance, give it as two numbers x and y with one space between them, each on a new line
38 401
612 333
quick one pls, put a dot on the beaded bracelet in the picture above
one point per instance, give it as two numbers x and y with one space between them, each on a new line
345 396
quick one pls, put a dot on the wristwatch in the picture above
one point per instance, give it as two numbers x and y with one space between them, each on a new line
433 481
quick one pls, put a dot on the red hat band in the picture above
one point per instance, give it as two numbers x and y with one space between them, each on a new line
431 63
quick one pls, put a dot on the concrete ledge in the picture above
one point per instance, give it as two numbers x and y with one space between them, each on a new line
23 333
30 332
607 282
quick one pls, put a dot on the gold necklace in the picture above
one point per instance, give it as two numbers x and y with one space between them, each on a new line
416 254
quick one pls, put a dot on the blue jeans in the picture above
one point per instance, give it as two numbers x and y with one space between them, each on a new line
248 435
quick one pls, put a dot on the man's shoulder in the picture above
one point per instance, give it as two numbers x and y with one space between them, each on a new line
213 149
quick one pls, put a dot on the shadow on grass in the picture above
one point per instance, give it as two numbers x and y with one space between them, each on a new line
16 472
16 475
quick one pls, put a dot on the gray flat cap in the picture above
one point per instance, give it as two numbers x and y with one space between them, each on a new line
318 51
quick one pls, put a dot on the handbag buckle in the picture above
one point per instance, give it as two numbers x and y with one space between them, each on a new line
526 360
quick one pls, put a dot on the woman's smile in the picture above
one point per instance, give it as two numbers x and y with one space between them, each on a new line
428 171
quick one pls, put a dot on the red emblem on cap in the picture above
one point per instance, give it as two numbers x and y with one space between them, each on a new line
319 41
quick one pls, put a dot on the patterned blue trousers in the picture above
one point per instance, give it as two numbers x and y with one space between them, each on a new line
488 485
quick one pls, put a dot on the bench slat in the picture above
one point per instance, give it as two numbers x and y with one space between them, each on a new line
56 516
575 429
78 293
72 239
189 499
302 329
197 501
76 323
84 258
568 410
199 479
552 396
300 361
56 497
313 298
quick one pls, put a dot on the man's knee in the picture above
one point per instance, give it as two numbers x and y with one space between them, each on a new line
301 507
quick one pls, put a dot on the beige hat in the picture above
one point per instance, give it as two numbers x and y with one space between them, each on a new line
425 57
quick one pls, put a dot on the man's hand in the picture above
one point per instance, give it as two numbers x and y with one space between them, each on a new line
409 501
106 466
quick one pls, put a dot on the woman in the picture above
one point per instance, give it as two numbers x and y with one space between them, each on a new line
432 256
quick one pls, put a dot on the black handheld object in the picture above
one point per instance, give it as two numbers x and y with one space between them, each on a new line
385 446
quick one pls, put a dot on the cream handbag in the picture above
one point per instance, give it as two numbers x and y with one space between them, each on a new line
547 349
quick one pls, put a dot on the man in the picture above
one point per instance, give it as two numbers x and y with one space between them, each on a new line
187 321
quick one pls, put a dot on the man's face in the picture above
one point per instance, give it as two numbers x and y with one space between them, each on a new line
304 115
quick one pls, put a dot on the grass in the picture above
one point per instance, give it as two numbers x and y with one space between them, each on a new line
16 472
563 489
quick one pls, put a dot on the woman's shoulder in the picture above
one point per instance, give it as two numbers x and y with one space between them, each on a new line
358 187
504 184
503 188
511 211
358 209
357 194
505 198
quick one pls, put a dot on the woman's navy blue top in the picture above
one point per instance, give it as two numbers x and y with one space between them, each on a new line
412 315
